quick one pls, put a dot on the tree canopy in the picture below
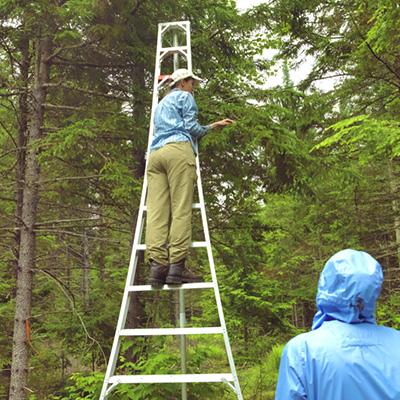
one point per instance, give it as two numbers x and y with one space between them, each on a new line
304 172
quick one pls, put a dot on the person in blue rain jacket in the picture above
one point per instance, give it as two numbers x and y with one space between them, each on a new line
346 356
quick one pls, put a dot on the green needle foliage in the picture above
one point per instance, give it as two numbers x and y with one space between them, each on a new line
305 170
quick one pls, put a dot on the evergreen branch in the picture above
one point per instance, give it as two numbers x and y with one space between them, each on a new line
95 150
10 53
7 199
8 170
69 295
11 94
389 81
380 59
8 152
372 51
329 77
9 134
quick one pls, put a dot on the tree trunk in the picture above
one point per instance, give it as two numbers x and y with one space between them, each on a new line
21 142
21 153
20 352
85 273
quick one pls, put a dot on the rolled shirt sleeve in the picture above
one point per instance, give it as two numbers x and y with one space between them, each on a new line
190 111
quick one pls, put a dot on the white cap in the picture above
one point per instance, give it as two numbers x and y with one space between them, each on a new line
182 73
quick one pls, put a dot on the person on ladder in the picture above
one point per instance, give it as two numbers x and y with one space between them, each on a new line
171 175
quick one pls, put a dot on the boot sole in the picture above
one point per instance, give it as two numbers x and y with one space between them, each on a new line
173 280
179 281
156 284
191 280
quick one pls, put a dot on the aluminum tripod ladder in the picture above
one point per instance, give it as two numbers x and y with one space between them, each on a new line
111 381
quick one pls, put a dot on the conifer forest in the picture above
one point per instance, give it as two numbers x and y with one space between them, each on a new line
311 166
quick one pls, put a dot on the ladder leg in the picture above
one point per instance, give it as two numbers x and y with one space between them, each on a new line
124 304
182 324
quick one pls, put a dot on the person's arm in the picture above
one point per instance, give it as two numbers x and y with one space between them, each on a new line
291 370
191 123
221 124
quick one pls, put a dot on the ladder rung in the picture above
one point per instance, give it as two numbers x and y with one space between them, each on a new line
173 49
147 288
171 331
194 206
193 244
186 378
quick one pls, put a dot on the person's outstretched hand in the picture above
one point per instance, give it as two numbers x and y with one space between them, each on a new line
222 123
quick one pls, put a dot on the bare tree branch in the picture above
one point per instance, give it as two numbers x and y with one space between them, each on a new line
380 59
71 47
9 134
92 92
68 178
59 221
55 107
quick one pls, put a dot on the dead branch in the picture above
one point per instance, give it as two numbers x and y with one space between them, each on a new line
68 178
55 107
87 91
60 221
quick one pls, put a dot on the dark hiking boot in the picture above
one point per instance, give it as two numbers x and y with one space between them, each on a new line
158 274
179 274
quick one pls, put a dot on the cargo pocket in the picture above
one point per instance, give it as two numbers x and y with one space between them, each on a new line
192 168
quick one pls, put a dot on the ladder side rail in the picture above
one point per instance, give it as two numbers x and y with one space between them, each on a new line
121 319
142 206
215 281
155 94
189 47
136 241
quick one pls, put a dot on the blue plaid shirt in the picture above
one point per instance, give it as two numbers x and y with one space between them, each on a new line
175 120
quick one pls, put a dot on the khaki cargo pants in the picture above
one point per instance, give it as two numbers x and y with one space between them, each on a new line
171 175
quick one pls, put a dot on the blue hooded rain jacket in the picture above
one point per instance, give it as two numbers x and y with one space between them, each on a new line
346 356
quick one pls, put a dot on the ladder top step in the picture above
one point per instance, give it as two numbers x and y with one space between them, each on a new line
193 244
147 288
184 378
194 206
177 24
171 331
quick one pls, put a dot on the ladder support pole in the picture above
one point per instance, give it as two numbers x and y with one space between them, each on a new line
176 55
182 324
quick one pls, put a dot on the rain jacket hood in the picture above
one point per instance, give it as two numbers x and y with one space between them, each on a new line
348 288
346 356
